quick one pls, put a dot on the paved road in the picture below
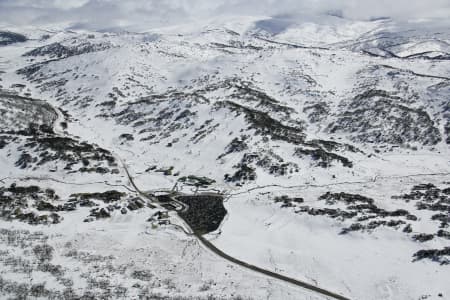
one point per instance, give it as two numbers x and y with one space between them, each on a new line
207 243
278 276
241 263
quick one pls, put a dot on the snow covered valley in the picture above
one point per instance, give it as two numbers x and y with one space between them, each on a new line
225 159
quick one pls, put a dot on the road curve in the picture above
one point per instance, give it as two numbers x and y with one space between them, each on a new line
241 263
207 243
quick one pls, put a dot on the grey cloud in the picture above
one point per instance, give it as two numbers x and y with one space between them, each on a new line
146 14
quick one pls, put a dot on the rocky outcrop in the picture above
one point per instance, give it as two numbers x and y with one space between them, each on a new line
8 38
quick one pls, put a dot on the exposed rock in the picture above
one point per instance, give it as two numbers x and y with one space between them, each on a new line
8 37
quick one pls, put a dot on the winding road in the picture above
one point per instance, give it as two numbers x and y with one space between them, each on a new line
210 246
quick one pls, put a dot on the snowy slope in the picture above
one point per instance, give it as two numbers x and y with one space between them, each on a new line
267 108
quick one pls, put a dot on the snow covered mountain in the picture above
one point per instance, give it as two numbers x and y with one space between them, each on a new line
317 150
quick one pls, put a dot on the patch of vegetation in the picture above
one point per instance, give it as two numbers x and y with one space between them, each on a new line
367 216
244 90
267 160
244 173
55 148
363 210
28 123
204 213
266 125
322 157
288 201
143 275
447 130
126 137
429 197
166 171
377 116
18 202
236 145
441 256
317 111
57 50
107 197
197 181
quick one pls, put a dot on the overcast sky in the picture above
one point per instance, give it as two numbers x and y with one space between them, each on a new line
145 14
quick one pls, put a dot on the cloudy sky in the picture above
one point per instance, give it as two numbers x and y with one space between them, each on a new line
145 14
